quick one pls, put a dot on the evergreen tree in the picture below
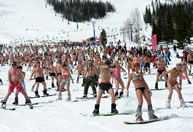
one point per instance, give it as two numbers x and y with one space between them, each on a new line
103 37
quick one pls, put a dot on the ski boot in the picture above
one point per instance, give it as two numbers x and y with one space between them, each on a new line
59 97
189 82
53 85
182 103
95 95
139 116
151 115
28 102
46 77
156 86
113 109
96 110
16 101
121 95
45 93
1 82
84 96
37 94
69 98
168 104
3 105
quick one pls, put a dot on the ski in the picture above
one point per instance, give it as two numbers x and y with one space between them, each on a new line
12 109
43 96
106 114
90 97
190 102
28 104
147 121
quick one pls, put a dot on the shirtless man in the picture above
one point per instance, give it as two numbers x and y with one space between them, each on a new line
147 64
15 79
90 79
22 84
39 76
105 85
58 70
161 67
52 73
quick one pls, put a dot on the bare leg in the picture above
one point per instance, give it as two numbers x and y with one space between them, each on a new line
111 92
100 93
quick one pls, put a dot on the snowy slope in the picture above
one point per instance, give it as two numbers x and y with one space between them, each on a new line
61 116
21 20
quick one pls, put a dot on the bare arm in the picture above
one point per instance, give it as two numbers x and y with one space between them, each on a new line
9 76
32 74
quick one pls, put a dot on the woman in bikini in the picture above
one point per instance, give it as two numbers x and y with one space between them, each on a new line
118 80
172 83
65 81
142 90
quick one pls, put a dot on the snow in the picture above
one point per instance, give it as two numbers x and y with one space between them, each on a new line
62 115
22 20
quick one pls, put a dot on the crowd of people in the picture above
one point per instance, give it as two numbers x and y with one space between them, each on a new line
99 66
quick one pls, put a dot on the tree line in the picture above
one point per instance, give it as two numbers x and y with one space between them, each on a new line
172 20
81 10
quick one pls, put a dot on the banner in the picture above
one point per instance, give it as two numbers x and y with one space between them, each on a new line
154 41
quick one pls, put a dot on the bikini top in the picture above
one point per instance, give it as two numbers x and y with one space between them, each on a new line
65 75
137 77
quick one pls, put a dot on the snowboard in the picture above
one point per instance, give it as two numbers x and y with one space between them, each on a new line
147 121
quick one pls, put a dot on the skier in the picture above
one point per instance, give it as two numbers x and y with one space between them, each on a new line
172 83
65 81
15 79
39 78
22 84
142 89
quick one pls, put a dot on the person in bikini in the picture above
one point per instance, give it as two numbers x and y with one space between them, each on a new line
39 78
105 85
15 78
66 76
172 83
118 80
142 90
184 69
161 67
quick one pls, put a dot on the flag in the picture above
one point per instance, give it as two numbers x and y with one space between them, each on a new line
154 41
